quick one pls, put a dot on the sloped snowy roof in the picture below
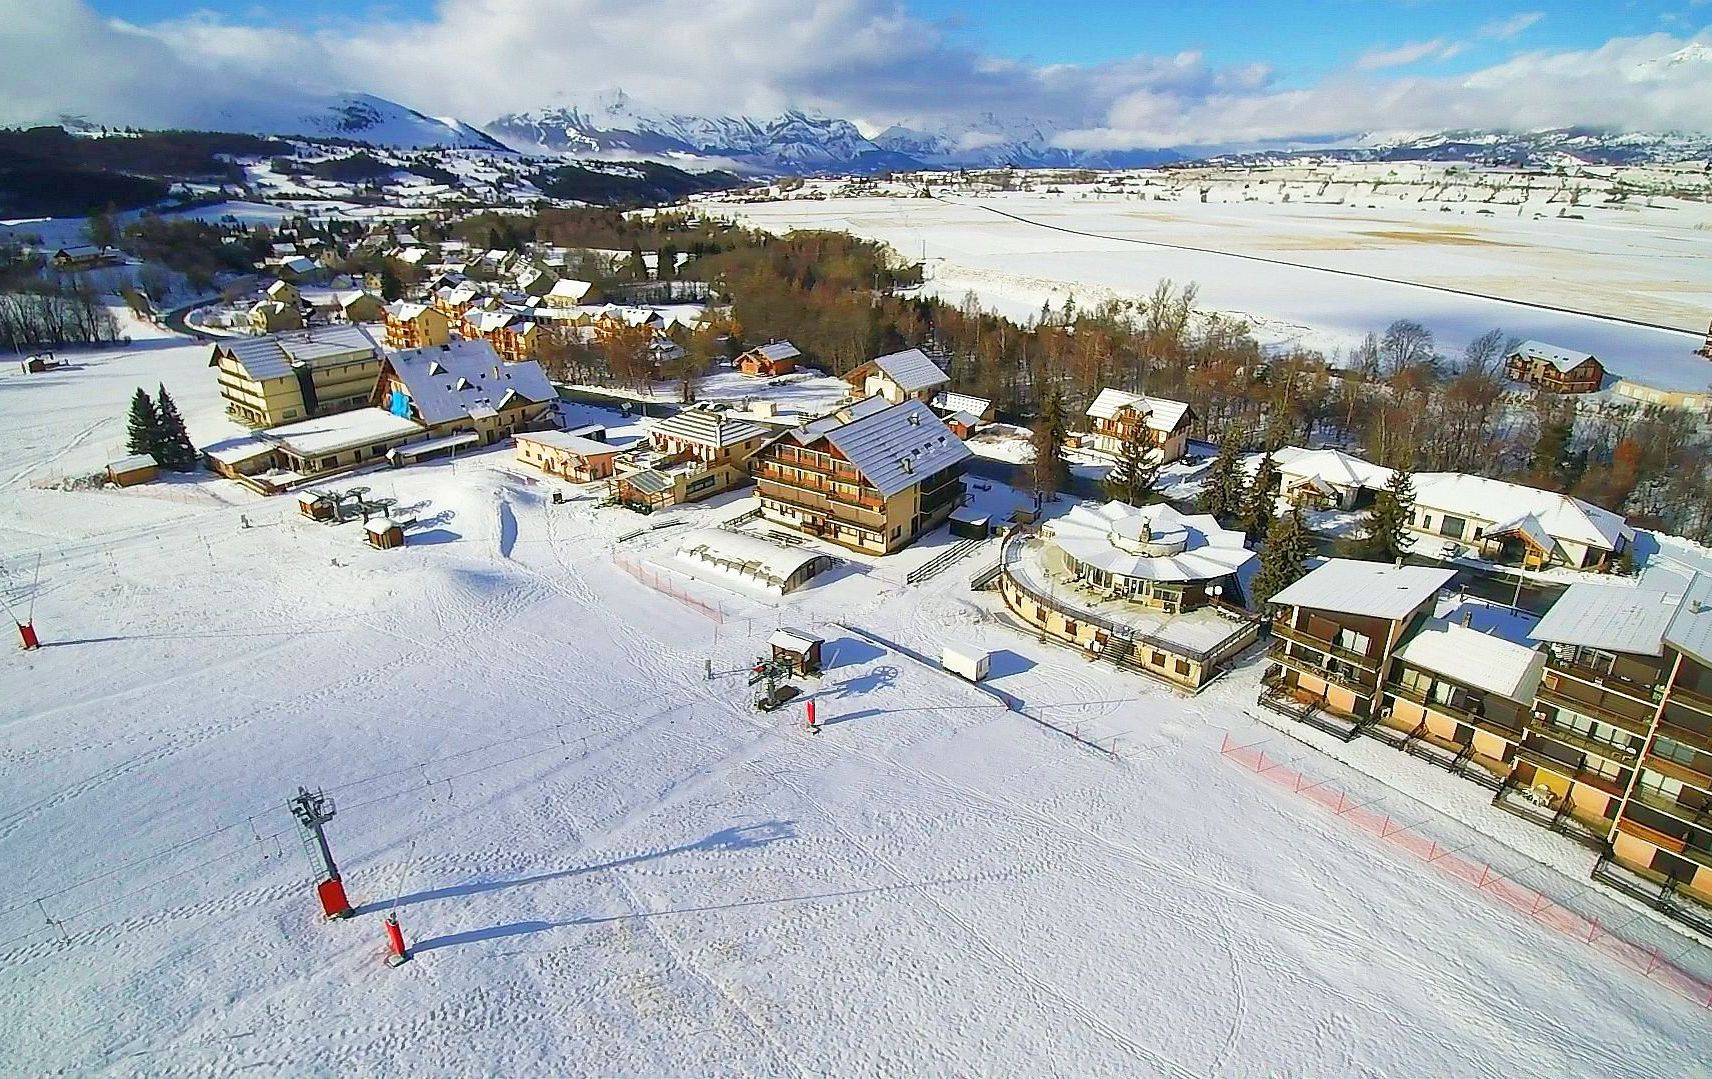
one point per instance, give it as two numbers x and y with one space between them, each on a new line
1498 501
911 369
777 350
1691 630
568 289
1333 467
1613 617
946 401
405 310
132 463
1371 589
745 554
1482 660
1162 413
342 431
450 381
563 440
894 448
1564 359
707 428
1154 543
273 356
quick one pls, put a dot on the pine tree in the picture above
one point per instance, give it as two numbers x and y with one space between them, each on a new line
1131 478
1049 473
173 448
1259 502
638 268
1387 528
1221 493
1288 546
142 429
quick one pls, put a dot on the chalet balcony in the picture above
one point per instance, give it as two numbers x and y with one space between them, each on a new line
1658 802
1685 727
1363 685
1694 699
1617 709
1665 841
1303 637
1584 742
821 497
1682 773
1473 719
1534 756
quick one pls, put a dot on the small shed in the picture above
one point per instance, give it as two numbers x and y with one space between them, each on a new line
969 523
137 468
384 533
317 505
962 424
801 649
41 361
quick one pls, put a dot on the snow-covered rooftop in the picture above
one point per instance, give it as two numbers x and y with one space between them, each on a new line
563 440
912 369
1154 543
1506 505
777 350
1564 359
894 448
1670 606
1332 467
745 555
947 401
445 382
1162 413
274 356
1482 660
1371 589
707 428
342 431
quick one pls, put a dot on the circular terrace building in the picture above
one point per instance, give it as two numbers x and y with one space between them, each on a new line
1152 555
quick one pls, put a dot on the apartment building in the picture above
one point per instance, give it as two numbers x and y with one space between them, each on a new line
268 381
872 476
415 325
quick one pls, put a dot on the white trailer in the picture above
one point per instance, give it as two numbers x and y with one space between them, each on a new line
970 665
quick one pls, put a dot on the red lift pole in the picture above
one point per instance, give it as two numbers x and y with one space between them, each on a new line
313 810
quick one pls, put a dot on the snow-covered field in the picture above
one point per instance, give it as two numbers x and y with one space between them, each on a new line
610 864
1632 261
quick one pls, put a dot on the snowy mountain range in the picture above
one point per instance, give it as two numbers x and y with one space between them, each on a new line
359 117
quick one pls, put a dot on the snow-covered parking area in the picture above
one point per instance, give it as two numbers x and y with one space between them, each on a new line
609 863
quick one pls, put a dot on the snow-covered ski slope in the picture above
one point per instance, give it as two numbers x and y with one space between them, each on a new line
609 864
1015 250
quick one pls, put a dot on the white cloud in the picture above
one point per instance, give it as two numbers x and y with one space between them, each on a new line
1410 53
1507 28
864 59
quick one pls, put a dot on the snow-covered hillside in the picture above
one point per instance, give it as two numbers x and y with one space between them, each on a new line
608 863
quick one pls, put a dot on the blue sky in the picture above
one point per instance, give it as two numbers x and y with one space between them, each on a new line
1301 40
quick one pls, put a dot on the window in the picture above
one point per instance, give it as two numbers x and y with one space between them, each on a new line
1182 667
1427 521
1070 627
1673 751
1355 642
1158 659
1453 527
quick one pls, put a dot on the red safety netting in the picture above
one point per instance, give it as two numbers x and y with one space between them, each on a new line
1472 872
665 586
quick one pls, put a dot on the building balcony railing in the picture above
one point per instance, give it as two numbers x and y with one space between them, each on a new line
1694 699
1662 840
1586 743
1640 692
1629 718
1682 773
1291 633
772 476
1366 687
1473 719
1567 770
1660 802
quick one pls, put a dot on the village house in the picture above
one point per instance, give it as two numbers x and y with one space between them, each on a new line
689 456
873 476
577 458
535 281
1335 631
1652 397
464 389
267 381
1147 588
284 292
898 376
569 293
357 305
946 403
271 316
84 257
512 335
453 300
297 268
1327 478
414 325
1116 415
1554 369
769 360
1516 525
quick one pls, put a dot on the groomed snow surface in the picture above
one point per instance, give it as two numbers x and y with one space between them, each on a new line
1645 264
608 864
